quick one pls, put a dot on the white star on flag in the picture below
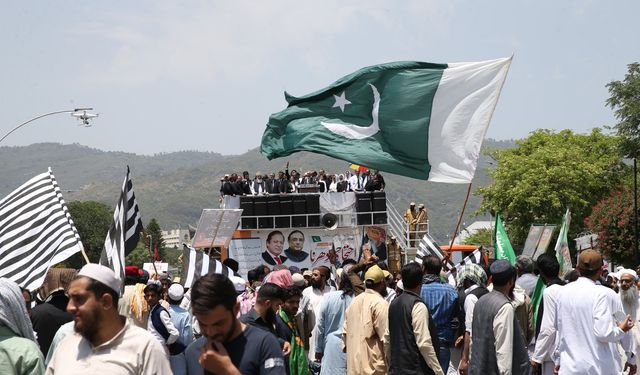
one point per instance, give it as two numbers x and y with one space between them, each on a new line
341 101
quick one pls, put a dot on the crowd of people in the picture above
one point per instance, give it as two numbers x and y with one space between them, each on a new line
356 319
285 183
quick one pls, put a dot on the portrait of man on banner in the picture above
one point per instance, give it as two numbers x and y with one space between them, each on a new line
275 244
295 252
374 239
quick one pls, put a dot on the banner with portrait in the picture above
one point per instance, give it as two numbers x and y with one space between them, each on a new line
302 248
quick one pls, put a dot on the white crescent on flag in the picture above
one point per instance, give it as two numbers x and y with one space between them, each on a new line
352 131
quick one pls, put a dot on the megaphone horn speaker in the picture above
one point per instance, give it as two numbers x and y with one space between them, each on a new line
330 221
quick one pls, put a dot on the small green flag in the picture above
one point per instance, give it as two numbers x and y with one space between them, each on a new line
417 119
562 246
503 249
536 298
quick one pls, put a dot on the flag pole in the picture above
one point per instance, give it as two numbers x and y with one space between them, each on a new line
455 231
84 254
153 259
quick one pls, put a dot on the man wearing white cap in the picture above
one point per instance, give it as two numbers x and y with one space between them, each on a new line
629 297
181 319
103 342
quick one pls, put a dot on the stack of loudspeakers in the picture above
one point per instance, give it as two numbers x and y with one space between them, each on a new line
280 211
369 202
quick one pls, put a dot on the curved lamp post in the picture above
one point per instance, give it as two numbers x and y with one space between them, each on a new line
80 113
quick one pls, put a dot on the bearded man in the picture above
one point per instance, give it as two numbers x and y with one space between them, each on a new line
310 305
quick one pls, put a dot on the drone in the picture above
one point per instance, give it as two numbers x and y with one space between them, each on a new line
84 117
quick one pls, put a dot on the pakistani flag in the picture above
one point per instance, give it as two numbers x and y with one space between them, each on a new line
417 119
503 249
562 246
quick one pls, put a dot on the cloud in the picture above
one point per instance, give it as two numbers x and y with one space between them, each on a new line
233 40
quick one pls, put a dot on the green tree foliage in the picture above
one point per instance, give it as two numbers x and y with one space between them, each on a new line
625 101
612 220
546 174
157 242
92 219
482 237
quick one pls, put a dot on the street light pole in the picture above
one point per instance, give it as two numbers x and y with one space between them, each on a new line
635 211
72 111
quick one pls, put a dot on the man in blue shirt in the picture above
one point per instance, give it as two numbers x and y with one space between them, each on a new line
228 346
181 319
442 301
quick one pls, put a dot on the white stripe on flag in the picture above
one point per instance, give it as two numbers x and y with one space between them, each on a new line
462 108
36 231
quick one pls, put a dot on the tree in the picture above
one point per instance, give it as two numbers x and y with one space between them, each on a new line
611 219
482 237
157 242
625 101
92 219
546 174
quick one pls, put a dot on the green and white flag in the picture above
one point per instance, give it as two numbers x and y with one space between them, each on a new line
562 246
502 245
417 119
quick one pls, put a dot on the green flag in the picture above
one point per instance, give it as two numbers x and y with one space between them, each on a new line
417 119
536 298
503 249
562 246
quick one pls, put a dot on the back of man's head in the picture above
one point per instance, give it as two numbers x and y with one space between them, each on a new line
524 264
231 263
590 264
431 265
411 275
269 291
210 291
548 265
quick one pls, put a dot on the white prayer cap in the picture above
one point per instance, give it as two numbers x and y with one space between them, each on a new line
298 280
238 283
628 271
102 274
176 292
400 285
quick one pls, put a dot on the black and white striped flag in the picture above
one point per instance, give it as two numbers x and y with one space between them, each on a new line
196 264
124 232
36 231
428 246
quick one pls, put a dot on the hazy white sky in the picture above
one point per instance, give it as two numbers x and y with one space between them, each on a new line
205 75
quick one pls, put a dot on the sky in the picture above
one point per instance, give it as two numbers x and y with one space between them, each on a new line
205 75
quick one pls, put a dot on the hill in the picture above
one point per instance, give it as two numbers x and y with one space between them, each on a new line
175 187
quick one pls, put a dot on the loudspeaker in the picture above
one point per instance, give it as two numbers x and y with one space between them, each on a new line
249 223
273 205
363 202
265 223
330 221
246 204
260 206
363 219
313 221
286 205
313 203
283 222
380 218
379 202
299 205
298 221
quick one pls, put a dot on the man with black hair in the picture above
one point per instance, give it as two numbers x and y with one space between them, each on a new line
159 323
231 263
312 296
498 342
104 342
228 346
365 323
288 330
546 330
442 301
588 323
411 331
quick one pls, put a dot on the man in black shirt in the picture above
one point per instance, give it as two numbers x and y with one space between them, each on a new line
228 346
